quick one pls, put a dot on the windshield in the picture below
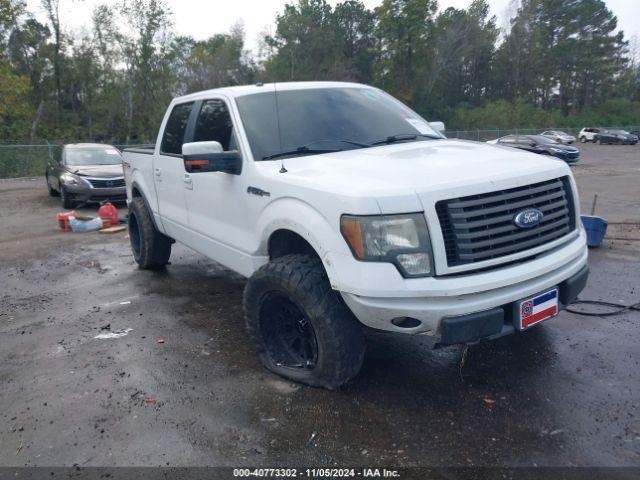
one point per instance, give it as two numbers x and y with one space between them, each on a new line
326 119
92 156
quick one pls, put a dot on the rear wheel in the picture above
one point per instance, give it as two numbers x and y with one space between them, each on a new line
151 249
599 141
301 327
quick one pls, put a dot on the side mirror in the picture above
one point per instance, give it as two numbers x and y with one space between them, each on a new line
210 157
437 126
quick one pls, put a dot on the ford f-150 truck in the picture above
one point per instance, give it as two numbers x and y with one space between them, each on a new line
344 208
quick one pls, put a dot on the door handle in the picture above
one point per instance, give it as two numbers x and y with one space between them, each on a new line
188 181
158 172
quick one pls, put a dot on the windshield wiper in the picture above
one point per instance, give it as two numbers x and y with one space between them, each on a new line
401 137
350 142
301 151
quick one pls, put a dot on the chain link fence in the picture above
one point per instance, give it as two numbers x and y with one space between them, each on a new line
25 160
30 160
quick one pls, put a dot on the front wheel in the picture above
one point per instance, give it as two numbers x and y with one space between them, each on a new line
66 202
583 139
301 327
52 192
151 249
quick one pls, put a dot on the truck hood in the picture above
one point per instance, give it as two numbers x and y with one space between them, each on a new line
416 167
97 170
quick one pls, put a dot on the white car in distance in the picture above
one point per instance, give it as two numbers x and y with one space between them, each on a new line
588 134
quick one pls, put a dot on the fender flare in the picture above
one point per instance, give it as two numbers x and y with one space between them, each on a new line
302 219
136 185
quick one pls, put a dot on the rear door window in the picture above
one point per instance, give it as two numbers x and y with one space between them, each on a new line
214 124
173 136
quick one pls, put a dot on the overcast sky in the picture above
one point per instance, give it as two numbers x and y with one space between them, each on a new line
203 18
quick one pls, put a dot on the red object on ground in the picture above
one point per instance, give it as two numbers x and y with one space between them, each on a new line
110 213
63 220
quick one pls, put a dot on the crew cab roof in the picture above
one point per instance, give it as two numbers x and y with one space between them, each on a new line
242 90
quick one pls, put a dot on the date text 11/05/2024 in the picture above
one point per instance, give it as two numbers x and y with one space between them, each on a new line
316 473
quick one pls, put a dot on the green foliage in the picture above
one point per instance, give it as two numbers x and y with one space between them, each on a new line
14 107
405 32
559 64
215 62
502 114
315 42
561 54
10 10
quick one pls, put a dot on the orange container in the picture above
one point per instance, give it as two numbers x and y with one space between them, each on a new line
63 220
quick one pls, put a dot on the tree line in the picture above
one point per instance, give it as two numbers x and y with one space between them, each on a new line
558 63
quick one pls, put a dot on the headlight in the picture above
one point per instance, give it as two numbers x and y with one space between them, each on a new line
70 179
399 239
556 150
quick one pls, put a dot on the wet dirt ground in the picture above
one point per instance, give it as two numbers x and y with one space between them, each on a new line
184 387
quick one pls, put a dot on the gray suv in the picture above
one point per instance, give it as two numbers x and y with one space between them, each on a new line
86 173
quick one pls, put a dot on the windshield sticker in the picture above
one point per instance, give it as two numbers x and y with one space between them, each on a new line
420 125
112 151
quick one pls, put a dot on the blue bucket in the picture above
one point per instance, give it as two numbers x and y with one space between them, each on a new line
596 227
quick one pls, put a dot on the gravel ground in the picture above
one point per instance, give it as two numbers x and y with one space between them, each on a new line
184 387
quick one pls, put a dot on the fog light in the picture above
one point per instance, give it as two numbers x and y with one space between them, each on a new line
415 263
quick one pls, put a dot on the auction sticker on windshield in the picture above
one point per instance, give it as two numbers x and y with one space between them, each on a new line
536 309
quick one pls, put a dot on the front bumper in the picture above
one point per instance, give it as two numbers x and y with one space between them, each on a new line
88 194
499 321
568 157
432 310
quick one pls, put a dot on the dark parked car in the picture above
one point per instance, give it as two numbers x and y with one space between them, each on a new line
616 136
542 145
86 173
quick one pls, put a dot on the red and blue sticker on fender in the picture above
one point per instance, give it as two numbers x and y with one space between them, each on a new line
538 308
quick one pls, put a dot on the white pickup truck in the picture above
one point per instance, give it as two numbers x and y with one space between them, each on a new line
345 208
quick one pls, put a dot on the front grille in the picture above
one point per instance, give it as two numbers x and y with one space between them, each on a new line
480 227
106 183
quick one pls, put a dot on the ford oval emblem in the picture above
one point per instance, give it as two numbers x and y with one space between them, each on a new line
528 218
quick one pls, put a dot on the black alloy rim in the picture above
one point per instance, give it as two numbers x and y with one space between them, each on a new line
288 335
